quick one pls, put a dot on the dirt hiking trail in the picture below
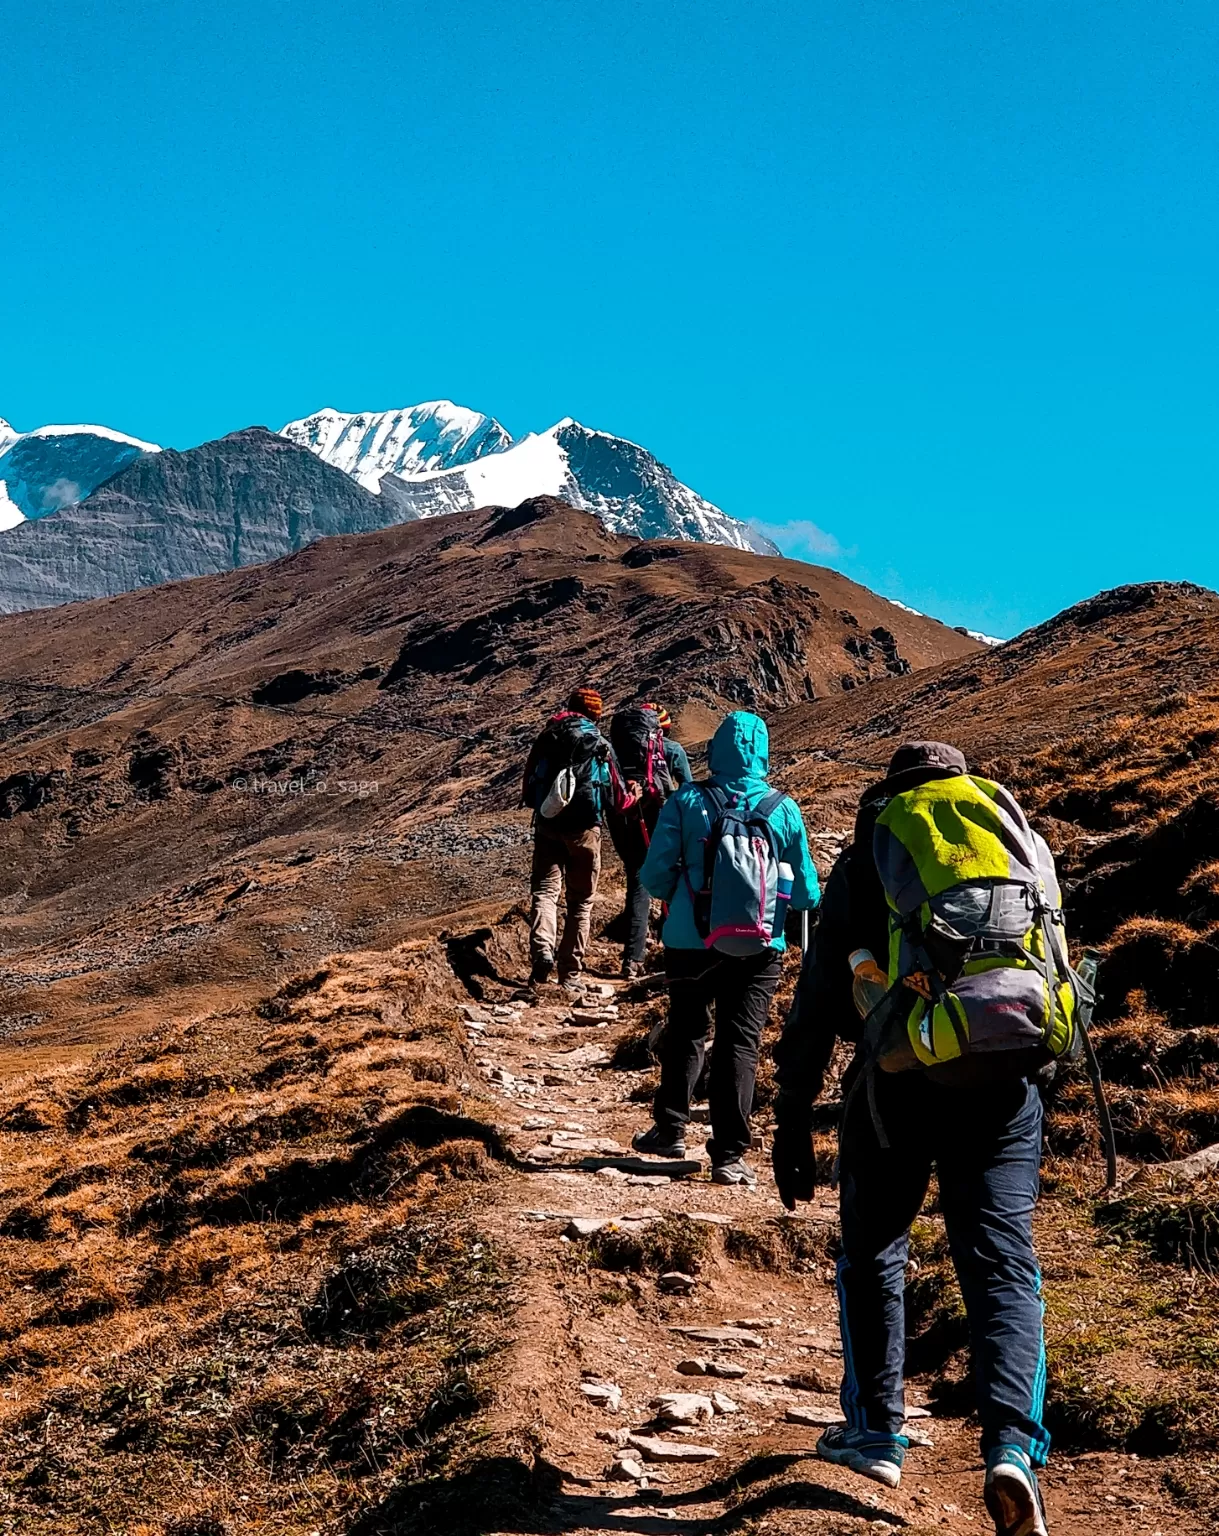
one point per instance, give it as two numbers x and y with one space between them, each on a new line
639 1278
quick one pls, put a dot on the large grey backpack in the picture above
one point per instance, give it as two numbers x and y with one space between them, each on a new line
741 907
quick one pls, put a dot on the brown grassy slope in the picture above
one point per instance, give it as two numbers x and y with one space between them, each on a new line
388 684
1105 722
242 1280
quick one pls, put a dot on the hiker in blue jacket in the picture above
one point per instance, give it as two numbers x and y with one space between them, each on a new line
701 978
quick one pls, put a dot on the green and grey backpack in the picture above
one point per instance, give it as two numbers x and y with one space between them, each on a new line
980 984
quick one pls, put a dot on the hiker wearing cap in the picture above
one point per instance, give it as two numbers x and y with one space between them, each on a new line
675 754
571 780
942 923
639 736
730 856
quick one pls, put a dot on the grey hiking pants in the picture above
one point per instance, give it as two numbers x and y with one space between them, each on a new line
576 857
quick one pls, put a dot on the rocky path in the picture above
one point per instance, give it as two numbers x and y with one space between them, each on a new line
692 1399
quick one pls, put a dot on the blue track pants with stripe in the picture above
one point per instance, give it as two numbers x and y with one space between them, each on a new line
985 1146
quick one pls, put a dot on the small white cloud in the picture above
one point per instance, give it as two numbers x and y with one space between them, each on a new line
801 538
59 494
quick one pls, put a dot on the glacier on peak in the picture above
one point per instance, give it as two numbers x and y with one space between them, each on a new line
620 481
55 466
411 442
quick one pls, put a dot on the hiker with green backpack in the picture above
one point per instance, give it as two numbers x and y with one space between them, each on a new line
730 857
973 1000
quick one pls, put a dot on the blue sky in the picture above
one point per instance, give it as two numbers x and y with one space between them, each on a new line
930 288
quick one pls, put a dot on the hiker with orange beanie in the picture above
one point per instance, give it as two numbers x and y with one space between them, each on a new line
571 781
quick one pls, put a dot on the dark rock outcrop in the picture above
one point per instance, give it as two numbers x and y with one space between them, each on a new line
246 498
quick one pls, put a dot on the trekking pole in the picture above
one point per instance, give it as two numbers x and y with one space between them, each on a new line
804 932
1089 968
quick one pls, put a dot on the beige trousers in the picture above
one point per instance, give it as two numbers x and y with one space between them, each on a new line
576 857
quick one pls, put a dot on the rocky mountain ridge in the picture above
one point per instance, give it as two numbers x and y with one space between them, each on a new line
168 516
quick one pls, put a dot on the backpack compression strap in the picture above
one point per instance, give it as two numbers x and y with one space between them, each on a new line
723 802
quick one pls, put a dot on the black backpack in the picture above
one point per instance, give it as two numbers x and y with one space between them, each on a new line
571 741
639 746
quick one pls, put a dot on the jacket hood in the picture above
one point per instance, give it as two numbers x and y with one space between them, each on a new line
740 748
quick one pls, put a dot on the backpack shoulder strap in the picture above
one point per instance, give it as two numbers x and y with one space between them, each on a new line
769 804
715 800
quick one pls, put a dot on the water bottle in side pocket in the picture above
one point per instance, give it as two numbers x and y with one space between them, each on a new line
783 896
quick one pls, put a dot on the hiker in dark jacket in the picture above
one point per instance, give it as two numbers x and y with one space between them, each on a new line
701 979
567 841
984 1141
853 915
632 831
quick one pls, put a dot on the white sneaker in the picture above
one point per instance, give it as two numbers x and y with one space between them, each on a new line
1012 1496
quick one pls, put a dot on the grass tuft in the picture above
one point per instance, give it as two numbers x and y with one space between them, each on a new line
675 1243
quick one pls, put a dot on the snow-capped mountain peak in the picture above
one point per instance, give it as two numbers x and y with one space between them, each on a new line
437 457
89 430
411 442
55 466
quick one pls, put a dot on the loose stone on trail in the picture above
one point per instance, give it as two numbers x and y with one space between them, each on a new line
724 1369
820 1417
726 1337
585 1226
625 1469
645 1168
682 1408
605 1393
676 1284
653 1449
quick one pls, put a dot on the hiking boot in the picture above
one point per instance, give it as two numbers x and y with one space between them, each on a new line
543 968
631 969
1013 1499
877 1456
658 1143
737 1171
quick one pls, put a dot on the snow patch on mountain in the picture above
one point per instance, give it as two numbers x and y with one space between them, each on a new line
416 441
85 430
974 634
10 513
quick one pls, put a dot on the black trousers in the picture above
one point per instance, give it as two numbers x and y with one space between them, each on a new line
738 989
631 834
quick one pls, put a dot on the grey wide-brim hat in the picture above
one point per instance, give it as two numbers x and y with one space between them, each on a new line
916 762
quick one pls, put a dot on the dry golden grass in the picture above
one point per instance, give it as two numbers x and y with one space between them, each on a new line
241 1285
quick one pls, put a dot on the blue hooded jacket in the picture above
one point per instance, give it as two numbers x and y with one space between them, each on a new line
739 759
